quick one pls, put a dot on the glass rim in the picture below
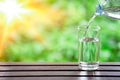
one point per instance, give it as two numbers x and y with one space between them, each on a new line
84 27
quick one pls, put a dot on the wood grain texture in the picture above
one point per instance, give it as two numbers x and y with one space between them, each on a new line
52 64
60 78
57 71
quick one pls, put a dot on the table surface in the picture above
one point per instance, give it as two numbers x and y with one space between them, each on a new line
57 71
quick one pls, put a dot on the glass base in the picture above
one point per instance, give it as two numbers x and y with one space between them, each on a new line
89 65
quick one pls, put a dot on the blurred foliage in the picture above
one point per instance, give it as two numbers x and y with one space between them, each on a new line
59 42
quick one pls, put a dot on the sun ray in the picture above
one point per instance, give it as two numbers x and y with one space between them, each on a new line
12 9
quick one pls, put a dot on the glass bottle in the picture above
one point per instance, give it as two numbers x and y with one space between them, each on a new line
110 8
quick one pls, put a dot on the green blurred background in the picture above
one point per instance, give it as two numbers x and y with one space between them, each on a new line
59 42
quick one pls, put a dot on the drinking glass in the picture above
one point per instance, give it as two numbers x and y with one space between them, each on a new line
88 47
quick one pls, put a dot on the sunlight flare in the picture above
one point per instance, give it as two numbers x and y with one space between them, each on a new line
12 9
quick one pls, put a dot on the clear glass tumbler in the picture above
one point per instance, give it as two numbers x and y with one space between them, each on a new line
88 47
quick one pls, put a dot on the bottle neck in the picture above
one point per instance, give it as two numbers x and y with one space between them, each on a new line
99 10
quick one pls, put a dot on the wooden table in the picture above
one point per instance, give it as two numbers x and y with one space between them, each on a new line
57 71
